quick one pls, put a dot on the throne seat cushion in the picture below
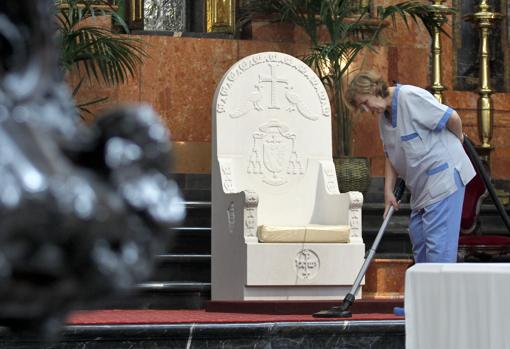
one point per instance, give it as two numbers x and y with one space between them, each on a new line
301 234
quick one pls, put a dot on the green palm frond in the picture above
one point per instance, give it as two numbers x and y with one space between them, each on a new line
95 51
100 55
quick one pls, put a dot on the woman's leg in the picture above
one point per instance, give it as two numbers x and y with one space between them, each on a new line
441 226
417 237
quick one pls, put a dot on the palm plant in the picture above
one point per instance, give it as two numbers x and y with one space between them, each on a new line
95 52
347 37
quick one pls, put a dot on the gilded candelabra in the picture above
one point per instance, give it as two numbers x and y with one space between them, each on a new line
440 12
134 13
484 19
221 15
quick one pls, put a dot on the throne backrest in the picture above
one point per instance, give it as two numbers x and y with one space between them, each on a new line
272 135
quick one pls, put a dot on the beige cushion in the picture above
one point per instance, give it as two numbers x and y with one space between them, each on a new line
309 233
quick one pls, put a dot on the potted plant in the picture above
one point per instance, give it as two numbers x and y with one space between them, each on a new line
350 29
92 50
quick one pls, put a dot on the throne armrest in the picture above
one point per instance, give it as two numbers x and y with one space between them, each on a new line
242 213
241 204
337 208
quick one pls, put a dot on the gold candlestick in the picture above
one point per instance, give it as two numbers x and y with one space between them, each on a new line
484 19
221 15
440 12
134 14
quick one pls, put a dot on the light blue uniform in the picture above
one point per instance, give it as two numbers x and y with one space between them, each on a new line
435 167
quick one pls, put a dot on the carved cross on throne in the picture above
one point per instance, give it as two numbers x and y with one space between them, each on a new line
273 80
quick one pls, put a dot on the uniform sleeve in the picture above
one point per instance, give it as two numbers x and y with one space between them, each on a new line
425 110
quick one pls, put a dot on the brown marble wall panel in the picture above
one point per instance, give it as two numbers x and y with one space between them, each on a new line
471 132
180 80
191 157
500 166
501 101
501 120
92 91
500 160
469 117
500 137
365 135
249 47
266 30
367 142
409 65
272 30
376 60
461 100
130 91
155 77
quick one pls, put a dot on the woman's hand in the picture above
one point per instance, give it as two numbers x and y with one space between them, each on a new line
390 200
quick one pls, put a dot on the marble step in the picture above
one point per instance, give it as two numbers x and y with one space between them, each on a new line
182 268
163 295
171 295
158 295
344 333
198 214
189 240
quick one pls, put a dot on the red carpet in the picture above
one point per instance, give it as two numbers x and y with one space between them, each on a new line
360 306
124 317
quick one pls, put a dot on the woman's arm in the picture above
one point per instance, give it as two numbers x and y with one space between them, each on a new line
454 124
390 177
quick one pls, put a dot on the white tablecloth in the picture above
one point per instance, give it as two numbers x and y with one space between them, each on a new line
465 305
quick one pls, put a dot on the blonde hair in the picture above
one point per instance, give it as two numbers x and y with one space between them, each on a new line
365 83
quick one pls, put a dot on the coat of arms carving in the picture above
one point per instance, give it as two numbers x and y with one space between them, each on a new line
274 155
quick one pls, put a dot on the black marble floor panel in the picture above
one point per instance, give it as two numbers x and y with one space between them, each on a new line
387 334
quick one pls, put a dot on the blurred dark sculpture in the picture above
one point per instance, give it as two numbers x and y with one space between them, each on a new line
83 209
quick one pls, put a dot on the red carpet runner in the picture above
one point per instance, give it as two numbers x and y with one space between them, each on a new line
124 317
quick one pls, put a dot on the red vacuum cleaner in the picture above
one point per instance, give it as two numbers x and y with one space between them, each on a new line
343 309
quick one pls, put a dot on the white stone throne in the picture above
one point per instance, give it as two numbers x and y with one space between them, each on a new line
280 228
